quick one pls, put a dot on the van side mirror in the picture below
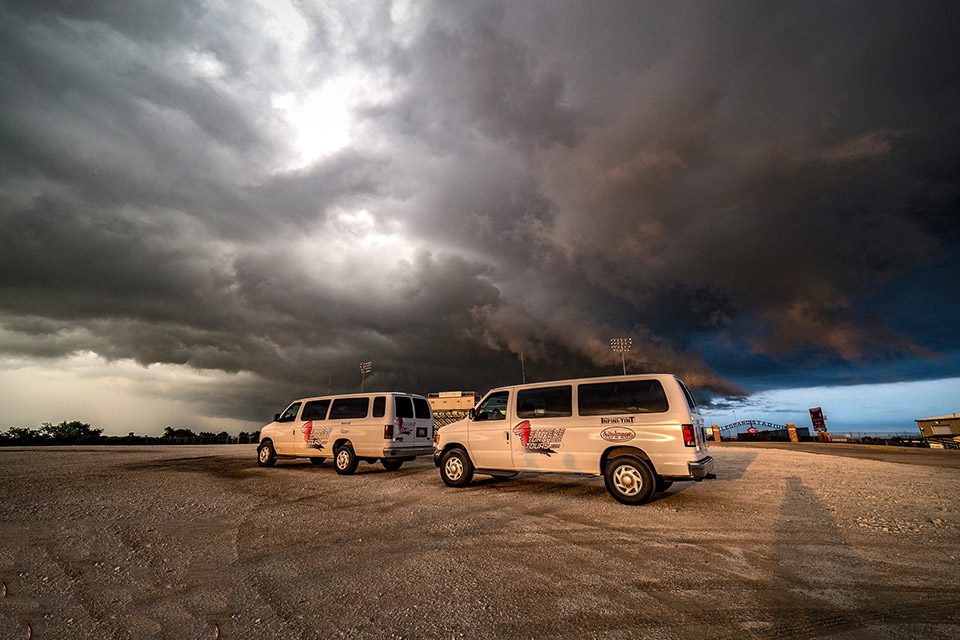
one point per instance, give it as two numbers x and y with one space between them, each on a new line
276 417
473 413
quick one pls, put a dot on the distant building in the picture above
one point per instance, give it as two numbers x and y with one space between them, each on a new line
450 406
944 431
453 400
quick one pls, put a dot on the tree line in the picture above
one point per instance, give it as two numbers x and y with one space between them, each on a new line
76 432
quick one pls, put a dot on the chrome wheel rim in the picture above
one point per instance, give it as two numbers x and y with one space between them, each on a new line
454 468
627 480
264 454
343 459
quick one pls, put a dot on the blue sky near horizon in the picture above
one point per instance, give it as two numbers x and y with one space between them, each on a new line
209 208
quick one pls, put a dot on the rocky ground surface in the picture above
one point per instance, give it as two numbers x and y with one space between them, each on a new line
199 542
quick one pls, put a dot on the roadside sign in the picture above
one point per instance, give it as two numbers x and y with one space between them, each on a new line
816 417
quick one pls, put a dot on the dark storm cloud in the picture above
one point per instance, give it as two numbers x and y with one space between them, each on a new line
733 185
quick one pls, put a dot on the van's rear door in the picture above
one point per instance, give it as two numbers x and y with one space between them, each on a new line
423 431
413 423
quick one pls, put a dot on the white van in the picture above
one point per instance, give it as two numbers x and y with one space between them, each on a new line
391 427
640 432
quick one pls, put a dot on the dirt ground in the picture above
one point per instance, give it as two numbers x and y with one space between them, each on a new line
199 542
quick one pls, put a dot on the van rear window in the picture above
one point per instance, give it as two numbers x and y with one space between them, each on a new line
546 402
315 410
404 407
422 407
347 408
379 406
628 396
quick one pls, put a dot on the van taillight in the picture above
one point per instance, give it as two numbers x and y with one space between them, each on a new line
688 435
388 431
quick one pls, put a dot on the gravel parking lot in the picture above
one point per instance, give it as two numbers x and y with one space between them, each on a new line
199 542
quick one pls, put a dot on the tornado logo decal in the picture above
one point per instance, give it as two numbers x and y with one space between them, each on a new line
315 437
523 430
545 441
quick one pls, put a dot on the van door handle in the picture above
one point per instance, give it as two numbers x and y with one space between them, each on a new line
507 435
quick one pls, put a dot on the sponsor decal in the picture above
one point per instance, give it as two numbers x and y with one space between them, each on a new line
400 428
617 420
315 436
545 441
617 434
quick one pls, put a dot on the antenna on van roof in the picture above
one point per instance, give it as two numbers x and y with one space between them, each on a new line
622 345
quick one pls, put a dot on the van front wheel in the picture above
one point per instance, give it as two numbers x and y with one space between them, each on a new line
629 480
456 470
345 462
266 456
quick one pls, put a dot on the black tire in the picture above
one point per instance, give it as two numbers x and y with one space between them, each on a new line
391 464
345 461
317 460
456 470
629 480
266 456
662 485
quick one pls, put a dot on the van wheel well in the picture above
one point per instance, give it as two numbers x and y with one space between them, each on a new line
613 452
339 443
453 445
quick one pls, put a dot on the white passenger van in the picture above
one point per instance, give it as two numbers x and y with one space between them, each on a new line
391 427
640 432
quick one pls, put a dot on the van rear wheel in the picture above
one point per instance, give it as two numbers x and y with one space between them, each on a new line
391 464
629 480
345 462
456 470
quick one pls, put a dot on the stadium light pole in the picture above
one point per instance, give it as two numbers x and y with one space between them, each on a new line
622 345
365 368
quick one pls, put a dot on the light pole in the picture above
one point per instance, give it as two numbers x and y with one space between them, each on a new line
365 368
622 345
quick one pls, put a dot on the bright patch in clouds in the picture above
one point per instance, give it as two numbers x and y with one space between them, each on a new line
319 123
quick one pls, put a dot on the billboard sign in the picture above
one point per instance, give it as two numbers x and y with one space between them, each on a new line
816 417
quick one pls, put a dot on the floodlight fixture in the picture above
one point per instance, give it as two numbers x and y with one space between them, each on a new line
621 346
365 368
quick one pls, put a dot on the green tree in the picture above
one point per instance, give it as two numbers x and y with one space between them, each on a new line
73 432
21 436
170 432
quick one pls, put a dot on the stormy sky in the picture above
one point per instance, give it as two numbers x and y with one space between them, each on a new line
210 208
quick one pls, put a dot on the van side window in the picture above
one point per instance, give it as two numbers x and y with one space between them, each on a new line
379 406
291 413
315 410
404 407
494 407
347 408
546 402
689 396
629 396
422 407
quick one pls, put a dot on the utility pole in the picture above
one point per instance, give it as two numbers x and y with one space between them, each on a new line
621 346
523 376
365 368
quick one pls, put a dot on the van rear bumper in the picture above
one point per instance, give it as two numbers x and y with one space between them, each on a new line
698 470
407 452
702 468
